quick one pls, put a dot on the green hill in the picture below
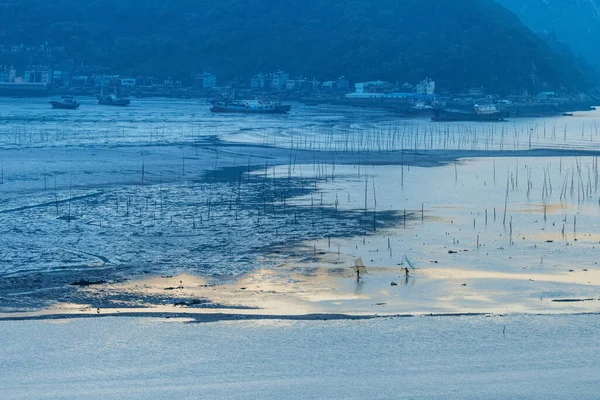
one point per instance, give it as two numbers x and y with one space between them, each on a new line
460 43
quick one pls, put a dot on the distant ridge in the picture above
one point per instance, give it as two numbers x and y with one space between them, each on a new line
575 22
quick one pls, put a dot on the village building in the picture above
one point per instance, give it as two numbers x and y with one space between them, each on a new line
206 80
35 74
279 80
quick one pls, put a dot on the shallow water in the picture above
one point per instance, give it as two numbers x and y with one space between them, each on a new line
32 123
469 253
27 123
537 357
107 193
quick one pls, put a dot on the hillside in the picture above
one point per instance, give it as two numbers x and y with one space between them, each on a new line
460 43
575 22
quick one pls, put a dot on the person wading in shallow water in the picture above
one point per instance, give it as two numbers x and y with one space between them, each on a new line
359 268
406 272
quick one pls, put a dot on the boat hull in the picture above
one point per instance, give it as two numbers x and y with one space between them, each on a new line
108 101
455 116
242 110
62 106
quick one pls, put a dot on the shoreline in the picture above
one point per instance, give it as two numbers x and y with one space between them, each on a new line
211 317
322 290
398 109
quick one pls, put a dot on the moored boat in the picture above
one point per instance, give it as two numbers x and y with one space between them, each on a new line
485 113
113 100
413 111
67 103
249 107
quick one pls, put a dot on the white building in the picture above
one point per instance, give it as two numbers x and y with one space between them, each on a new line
363 87
280 80
38 75
368 90
426 86
61 78
8 75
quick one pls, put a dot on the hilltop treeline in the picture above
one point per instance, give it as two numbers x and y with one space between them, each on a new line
460 43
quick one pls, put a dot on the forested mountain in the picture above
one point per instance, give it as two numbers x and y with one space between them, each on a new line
460 43
575 22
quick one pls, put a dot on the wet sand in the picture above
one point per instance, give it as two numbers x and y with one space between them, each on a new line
331 292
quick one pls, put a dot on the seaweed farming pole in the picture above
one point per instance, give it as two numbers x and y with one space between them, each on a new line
366 190
506 198
455 173
55 195
183 162
402 177
70 196
143 168
374 207
517 174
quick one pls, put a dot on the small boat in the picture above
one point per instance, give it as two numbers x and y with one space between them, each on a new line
567 114
67 103
113 100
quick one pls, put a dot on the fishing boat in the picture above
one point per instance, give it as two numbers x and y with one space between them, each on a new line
67 103
413 111
249 106
480 113
113 100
